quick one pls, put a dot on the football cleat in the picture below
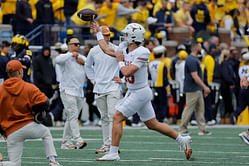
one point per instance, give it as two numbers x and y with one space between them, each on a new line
186 145
81 145
245 137
67 145
109 157
103 149
54 163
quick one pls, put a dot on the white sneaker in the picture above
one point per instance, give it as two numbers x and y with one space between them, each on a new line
186 145
109 157
211 122
87 123
52 163
193 123
103 149
67 145
245 137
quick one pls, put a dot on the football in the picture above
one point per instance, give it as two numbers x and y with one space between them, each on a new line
87 14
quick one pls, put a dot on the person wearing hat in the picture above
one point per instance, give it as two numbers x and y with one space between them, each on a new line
44 72
18 101
159 76
179 76
103 72
175 59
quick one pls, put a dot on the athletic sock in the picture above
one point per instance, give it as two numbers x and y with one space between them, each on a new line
114 149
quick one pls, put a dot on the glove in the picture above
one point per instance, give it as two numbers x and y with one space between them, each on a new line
2 132
39 117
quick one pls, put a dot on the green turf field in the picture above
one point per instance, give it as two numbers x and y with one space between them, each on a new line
141 147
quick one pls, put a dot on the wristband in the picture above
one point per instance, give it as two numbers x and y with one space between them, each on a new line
99 36
121 64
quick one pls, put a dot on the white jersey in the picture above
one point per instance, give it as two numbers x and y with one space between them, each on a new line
243 70
140 58
153 69
101 69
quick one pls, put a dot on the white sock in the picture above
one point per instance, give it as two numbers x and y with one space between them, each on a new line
179 139
114 149
52 158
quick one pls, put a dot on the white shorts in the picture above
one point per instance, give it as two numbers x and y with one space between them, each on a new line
137 101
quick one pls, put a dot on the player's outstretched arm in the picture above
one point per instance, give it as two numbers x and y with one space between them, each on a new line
103 45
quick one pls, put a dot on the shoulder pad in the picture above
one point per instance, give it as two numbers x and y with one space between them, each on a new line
28 52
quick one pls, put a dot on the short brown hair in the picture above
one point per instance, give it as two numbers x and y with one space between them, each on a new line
13 74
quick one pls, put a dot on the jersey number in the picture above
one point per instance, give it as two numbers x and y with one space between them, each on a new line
130 79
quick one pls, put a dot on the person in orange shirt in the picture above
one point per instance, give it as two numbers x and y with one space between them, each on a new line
18 101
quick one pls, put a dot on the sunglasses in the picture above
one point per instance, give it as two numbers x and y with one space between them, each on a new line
75 44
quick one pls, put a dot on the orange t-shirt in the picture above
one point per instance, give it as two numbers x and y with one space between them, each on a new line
16 101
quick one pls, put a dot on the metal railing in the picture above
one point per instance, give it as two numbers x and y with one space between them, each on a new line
47 33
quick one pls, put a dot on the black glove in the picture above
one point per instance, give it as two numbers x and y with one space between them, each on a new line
2 132
39 117
40 111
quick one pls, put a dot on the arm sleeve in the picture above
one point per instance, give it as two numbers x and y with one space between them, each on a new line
89 67
37 97
141 58
61 59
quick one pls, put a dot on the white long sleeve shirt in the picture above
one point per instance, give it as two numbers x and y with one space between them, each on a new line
72 74
101 69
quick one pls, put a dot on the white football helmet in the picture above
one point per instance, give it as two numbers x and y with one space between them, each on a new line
134 33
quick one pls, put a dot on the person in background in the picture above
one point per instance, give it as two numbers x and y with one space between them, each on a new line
70 7
4 58
244 92
18 100
183 18
180 76
165 20
8 10
20 46
201 17
90 95
103 72
159 76
71 92
193 86
23 17
244 82
44 73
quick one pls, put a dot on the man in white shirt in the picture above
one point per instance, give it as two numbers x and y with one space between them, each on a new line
133 60
103 70
71 88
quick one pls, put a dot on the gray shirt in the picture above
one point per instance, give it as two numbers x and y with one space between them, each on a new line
192 65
